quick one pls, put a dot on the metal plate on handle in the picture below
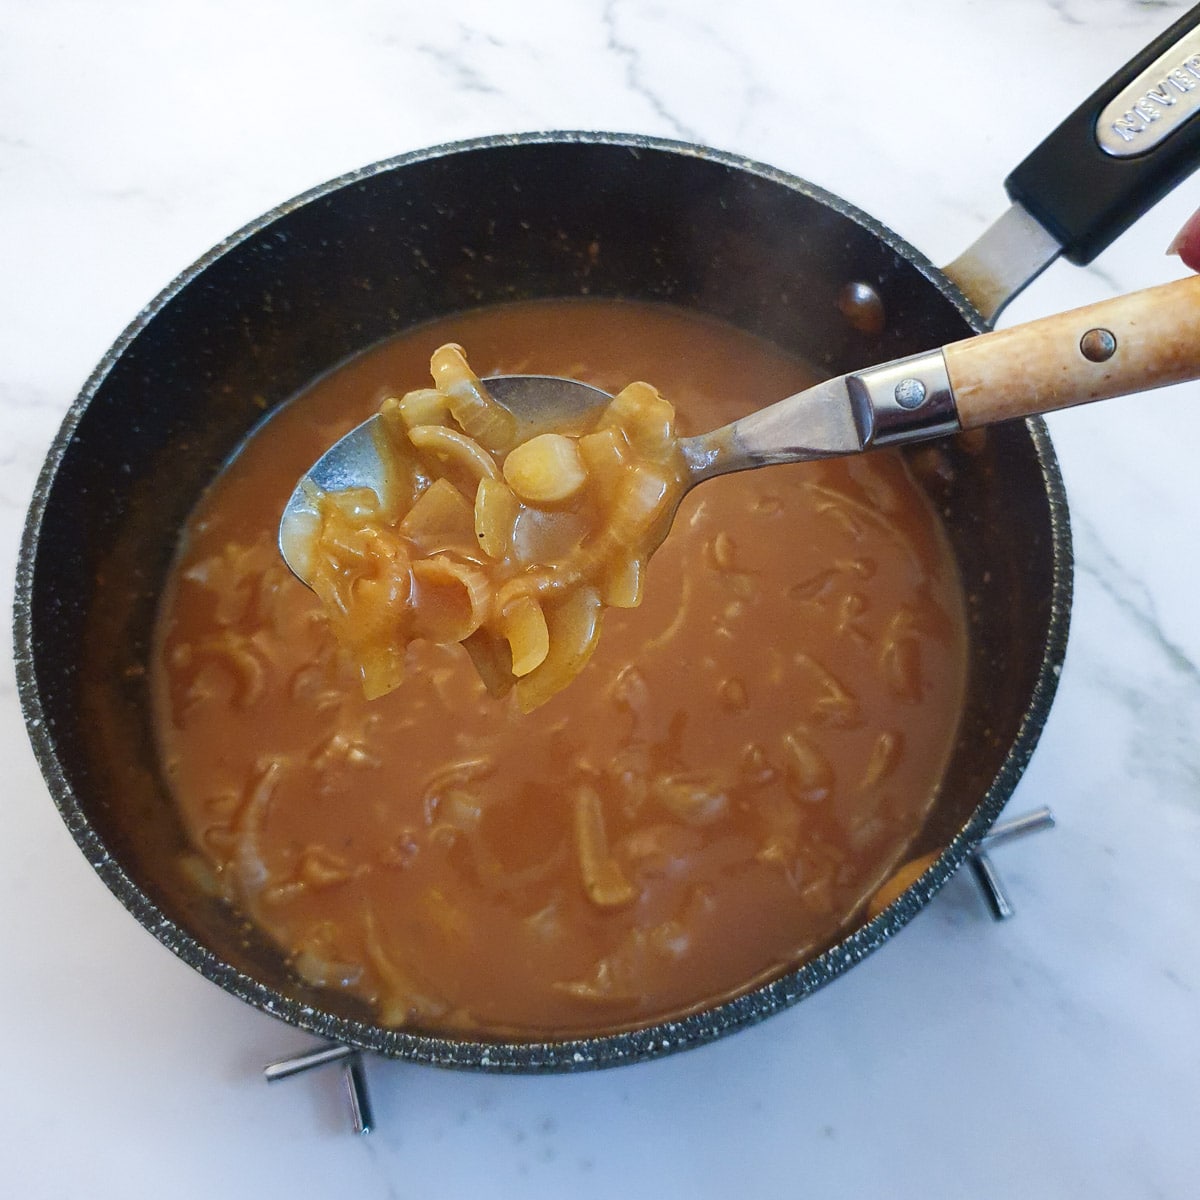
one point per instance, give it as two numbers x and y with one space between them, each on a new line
1160 100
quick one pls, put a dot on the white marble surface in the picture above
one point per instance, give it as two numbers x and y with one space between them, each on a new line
1055 1055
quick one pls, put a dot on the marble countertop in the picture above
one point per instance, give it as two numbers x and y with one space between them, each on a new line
1056 1054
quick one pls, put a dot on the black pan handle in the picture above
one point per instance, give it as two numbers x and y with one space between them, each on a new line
1121 151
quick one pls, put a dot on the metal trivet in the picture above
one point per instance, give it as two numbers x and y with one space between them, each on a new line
354 1076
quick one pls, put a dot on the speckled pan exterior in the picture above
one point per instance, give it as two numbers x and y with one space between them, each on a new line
335 270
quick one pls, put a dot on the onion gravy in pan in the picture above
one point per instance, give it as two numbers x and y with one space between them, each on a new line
741 765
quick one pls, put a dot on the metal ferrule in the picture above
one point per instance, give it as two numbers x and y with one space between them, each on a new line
907 400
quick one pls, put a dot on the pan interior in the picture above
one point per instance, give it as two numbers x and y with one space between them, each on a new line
426 236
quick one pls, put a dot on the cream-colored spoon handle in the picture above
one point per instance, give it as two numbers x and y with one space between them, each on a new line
1131 344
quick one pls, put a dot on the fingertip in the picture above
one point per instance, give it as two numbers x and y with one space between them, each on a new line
1186 243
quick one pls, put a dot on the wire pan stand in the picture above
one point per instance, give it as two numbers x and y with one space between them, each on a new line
363 1116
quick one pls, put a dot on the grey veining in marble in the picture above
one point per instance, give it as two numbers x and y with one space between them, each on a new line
1054 1055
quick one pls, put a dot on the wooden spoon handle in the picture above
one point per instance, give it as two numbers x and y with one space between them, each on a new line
1131 344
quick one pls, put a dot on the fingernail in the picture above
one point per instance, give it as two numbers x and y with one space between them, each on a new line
1187 241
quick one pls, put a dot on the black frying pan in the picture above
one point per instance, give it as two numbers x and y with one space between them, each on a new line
352 262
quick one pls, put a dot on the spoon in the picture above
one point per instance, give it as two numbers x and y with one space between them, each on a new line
1132 343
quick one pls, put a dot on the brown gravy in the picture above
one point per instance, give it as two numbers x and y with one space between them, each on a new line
752 750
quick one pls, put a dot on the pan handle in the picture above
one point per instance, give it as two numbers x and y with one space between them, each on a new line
1131 343
1121 151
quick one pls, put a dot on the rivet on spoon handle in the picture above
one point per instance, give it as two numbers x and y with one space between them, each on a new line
1129 344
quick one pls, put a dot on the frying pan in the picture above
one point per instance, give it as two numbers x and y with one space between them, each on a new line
428 234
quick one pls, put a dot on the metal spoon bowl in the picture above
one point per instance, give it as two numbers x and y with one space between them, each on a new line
356 461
